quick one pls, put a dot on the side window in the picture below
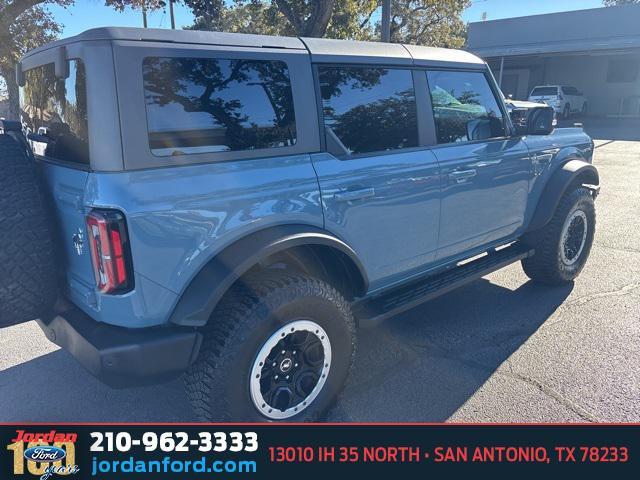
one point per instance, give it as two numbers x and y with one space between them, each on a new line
56 109
199 105
464 106
368 109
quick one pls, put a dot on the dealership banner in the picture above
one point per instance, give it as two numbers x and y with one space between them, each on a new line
182 451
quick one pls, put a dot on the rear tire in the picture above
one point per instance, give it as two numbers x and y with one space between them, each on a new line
563 245
27 267
242 374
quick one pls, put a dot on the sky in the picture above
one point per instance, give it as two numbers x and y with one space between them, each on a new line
87 14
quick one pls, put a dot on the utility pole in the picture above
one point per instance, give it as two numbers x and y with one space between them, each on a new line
144 14
173 18
386 20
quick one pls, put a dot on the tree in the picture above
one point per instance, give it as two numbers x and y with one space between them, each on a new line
306 18
425 22
436 23
207 14
615 3
24 25
27 24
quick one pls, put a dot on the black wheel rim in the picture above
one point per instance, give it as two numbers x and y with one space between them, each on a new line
290 369
574 237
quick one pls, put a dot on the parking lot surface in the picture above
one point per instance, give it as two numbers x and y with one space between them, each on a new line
501 349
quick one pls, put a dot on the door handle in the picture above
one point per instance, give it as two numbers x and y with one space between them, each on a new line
460 176
351 195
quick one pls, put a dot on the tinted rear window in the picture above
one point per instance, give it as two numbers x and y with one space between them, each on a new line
56 109
542 91
198 105
369 109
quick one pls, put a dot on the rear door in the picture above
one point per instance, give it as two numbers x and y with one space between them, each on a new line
485 172
55 110
379 184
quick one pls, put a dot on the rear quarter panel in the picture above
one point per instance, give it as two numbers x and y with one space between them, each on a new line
179 218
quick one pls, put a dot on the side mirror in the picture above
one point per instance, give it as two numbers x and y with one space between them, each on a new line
540 121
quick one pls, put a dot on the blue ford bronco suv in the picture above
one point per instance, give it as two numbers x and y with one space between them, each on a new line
232 207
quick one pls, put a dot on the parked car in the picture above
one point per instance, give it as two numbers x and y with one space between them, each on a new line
233 206
519 111
564 99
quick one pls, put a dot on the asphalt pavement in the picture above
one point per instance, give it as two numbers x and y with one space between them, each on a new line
501 349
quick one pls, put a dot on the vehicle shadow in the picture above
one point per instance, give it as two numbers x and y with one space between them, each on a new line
425 364
55 388
419 366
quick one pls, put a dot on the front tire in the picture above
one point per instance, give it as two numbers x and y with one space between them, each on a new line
278 347
563 245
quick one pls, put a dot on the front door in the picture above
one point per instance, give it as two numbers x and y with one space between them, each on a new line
380 189
485 174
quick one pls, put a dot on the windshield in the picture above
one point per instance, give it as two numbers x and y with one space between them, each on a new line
544 91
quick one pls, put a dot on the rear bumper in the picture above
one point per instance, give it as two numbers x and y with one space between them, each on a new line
120 356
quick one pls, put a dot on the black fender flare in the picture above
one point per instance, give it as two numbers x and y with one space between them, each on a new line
561 179
199 299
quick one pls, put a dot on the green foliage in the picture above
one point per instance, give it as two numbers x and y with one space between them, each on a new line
436 23
615 3
27 24
334 19
425 22
120 5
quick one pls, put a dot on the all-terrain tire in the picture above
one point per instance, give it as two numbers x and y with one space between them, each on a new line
27 266
549 264
218 383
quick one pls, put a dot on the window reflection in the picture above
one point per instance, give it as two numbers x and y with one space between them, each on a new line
368 109
56 111
464 107
197 105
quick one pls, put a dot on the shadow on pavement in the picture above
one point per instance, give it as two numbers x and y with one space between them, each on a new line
425 364
55 388
419 366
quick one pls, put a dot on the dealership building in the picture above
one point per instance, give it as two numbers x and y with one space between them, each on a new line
595 50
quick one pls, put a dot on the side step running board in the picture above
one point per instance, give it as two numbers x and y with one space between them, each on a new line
373 309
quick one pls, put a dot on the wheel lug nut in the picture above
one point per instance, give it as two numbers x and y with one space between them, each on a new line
273 364
287 377
294 352
276 377
296 365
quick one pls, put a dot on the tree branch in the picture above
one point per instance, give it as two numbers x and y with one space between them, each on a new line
16 8
287 10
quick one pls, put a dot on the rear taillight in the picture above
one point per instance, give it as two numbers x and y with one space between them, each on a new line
110 251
